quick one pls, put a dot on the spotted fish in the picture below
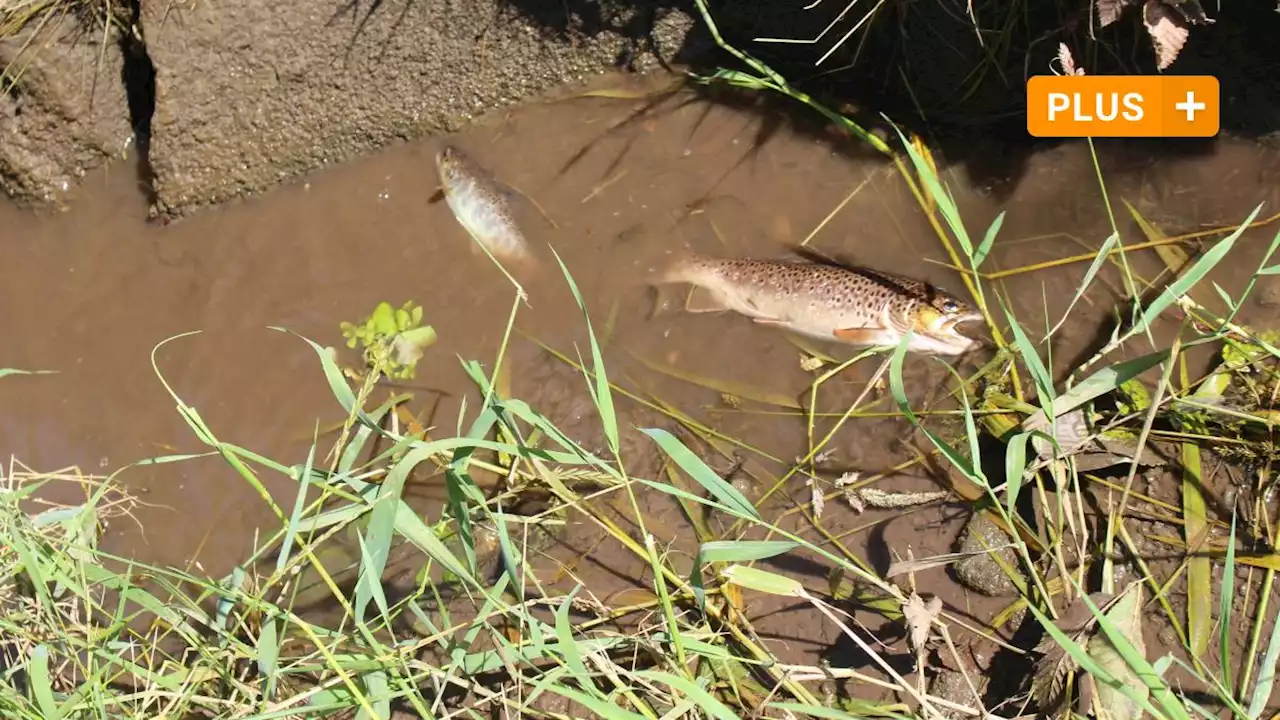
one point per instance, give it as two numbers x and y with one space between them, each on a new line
481 205
852 305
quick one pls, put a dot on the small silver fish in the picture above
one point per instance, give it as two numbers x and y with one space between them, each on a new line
852 305
481 205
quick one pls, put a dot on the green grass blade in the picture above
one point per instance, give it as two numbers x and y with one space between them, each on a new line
1138 664
1253 280
268 652
295 517
1039 373
691 497
5 372
569 646
602 394
694 467
988 241
1225 629
379 696
601 708
377 539
333 375
705 700
1193 275
1106 380
763 581
898 389
1267 678
1103 253
946 204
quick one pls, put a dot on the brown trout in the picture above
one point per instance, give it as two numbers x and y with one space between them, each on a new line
852 305
481 205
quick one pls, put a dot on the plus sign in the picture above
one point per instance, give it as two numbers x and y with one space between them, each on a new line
1190 106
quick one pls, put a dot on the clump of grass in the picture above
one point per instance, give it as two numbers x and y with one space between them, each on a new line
38 22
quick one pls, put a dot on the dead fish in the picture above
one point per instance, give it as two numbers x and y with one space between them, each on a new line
852 305
481 205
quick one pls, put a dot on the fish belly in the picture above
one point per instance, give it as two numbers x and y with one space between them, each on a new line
487 226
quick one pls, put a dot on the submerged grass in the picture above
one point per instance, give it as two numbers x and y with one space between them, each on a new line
482 627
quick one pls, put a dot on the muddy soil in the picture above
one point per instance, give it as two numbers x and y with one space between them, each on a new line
90 293
207 103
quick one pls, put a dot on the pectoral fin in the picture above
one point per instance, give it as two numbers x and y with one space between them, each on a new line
860 336
702 300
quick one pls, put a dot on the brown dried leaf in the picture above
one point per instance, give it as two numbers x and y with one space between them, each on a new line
1067 62
1168 31
1192 12
1056 666
919 616
1071 431
1109 10
1049 680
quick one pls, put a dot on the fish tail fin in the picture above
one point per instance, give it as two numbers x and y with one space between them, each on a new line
683 266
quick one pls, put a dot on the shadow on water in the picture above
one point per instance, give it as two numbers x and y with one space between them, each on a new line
924 66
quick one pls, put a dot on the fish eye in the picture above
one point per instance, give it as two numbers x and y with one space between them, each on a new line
950 306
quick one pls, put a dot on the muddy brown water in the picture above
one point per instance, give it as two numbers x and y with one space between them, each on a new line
90 292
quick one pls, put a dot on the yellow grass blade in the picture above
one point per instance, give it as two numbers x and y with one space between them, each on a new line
1199 568
740 390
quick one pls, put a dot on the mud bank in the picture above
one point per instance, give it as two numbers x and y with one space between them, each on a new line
222 100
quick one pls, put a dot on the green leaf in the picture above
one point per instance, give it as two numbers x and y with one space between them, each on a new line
1126 614
41 683
743 550
1199 566
946 204
763 581
376 687
898 390
1015 466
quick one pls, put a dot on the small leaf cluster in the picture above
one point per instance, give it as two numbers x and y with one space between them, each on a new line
392 339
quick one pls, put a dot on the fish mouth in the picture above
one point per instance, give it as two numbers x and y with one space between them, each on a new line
945 337
949 326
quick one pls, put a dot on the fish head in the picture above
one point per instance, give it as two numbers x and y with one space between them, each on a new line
936 323
452 165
